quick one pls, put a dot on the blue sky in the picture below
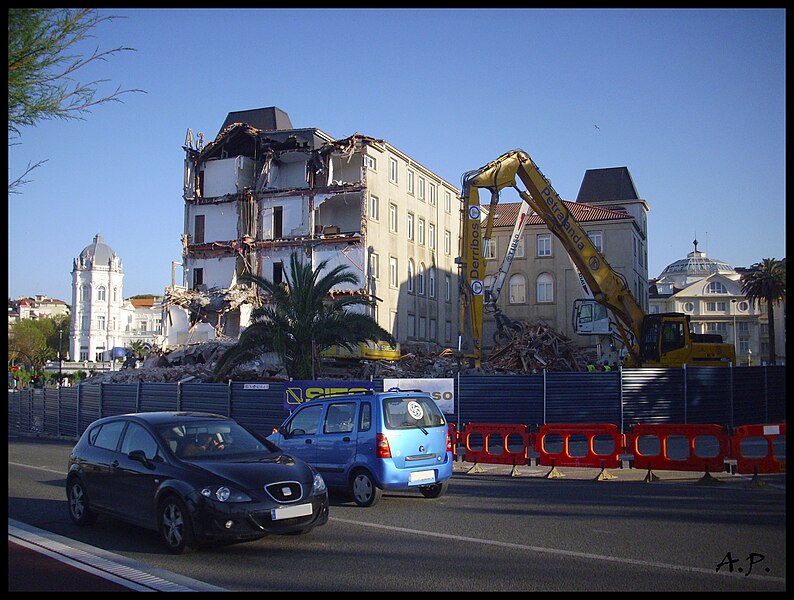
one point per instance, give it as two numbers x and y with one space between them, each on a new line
691 101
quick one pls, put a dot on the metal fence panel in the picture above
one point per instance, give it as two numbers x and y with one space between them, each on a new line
510 399
708 395
259 409
119 399
205 397
158 396
51 404
582 397
653 396
67 410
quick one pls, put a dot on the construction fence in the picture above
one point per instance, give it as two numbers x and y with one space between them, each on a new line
704 395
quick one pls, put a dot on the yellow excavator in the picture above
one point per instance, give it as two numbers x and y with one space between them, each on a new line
652 340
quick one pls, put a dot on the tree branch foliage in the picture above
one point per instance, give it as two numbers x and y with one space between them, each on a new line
42 63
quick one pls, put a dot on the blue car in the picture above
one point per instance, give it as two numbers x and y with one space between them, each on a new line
370 442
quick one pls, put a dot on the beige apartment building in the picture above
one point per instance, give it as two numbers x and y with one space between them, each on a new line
263 189
543 284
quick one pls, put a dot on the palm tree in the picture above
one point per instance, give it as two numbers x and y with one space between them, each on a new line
766 282
302 319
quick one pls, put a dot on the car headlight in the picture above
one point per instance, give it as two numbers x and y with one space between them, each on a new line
318 486
224 493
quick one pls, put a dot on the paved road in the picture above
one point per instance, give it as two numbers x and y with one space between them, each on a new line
492 532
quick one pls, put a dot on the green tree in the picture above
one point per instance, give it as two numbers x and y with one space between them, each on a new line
137 348
41 66
302 319
28 342
765 282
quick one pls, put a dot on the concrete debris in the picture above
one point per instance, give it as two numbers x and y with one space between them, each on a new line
218 300
533 347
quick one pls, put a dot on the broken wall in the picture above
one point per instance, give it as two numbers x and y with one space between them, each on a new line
220 221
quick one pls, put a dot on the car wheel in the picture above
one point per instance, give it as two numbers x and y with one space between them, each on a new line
365 491
176 526
79 509
434 491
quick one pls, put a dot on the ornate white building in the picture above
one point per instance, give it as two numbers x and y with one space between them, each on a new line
710 291
101 319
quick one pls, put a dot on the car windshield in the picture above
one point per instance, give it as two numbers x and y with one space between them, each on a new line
410 412
205 439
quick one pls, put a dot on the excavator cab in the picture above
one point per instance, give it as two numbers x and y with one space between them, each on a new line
590 317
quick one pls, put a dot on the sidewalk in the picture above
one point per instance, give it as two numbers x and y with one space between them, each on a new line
40 561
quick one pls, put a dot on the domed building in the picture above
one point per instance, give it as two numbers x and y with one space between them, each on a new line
97 283
709 290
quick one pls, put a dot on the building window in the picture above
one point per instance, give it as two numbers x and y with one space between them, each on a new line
86 323
278 272
689 307
431 236
422 328
83 352
410 275
490 249
721 328
743 306
374 268
421 190
544 244
447 242
411 325
278 222
393 272
744 346
447 202
113 323
100 322
545 288
421 280
743 327
115 294
519 249
393 217
433 333
447 288
716 287
431 190
421 232
518 289
716 306
198 230
410 226
410 182
369 162
447 332
198 278
393 170
597 237
100 293
431 281
98 354
374 208
84 293
142 327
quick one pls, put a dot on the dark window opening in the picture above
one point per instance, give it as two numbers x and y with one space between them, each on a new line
278 272
277 222
198 278
198 230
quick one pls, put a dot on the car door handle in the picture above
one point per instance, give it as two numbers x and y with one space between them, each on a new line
346 438
309 441
115 464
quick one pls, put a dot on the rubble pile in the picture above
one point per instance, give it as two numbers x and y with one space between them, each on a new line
534 347
531 348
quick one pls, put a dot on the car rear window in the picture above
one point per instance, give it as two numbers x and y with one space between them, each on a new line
408 412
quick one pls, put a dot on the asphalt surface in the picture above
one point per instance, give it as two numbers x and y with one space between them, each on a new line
43 561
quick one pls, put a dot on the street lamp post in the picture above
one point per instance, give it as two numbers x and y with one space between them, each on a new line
60 357
749 357
734 304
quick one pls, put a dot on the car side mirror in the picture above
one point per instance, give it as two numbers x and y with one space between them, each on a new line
284 432
140 456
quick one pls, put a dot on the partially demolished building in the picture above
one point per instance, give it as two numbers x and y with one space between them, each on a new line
263 189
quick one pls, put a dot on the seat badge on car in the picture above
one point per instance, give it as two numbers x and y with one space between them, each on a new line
286 491
421 448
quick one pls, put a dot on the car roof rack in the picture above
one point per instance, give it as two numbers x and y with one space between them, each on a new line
396 389
367 392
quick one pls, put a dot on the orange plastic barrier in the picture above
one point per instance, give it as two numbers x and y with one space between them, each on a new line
692 462
509 433
589 432
758 464
453 438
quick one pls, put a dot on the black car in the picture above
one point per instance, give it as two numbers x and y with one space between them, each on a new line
194 477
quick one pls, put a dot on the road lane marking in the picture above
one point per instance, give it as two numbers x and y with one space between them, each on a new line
48 469
555 551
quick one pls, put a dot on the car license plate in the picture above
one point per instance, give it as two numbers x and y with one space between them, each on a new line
290 512
422 477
